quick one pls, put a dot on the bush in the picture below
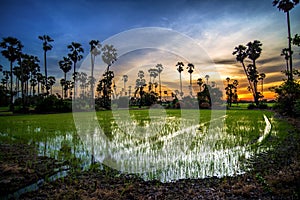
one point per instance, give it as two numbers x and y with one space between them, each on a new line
52 104
288 96
251 106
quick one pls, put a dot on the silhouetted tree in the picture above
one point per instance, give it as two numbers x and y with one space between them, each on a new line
75 55
159 68
200 83
190 68
262 76
65 65
46 47
140 83
252 51
12 51
51 82
207 77
125 79
286 6
231 91
95 51
180 69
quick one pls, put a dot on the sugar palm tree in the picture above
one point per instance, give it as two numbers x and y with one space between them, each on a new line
285 53
46 47
159 68
125 79
286 6
200 83
190 68
262 76
207 77
75 55
253 52
51 82
12 51
95 51
180 69
62 83
65 65
39 77
153 74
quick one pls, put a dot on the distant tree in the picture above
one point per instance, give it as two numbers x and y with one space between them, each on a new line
262 76
140 83
285 53
109 56
190 68
95 47
75 55
125 79
153 74
65 65
180 69
200 83
286 6
159 68
62 84
207 77
231 91
51 82
46 47
12 51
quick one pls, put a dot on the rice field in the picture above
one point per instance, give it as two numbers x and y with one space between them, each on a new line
160 144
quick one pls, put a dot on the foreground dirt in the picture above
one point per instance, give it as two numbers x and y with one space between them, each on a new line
276 175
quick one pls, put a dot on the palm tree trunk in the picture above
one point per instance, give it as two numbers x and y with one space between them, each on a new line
74 78
65 76
159 87
45 66
92 82
11 88
180 83
250 84
290 45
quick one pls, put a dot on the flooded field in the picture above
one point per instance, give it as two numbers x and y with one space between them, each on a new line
155 144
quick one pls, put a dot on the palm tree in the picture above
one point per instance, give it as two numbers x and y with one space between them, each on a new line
125 79
207 77
39 77
63 83
180 69
159 68
190 68
75 55
46 47
241 55
286 6
94 50
12 51
65 65
200 82
109 56
253 52
262 76
285 53
51 81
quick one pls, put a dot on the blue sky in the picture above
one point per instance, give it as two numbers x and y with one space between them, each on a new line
217 26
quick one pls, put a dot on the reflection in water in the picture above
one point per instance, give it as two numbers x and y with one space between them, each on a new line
172 149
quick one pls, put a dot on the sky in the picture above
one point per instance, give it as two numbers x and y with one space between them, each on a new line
216 26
